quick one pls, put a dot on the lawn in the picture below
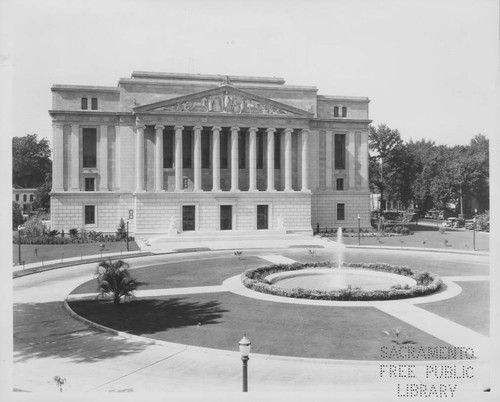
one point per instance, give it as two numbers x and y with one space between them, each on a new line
452 239
32 253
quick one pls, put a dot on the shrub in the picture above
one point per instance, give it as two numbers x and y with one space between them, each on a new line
121 231
73 232
114 279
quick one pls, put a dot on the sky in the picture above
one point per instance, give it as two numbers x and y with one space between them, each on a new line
429 67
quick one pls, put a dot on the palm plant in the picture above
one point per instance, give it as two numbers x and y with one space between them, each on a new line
113 279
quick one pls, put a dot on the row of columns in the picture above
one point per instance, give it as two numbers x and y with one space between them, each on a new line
216 158
73 167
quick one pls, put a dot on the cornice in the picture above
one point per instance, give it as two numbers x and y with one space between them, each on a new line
83 88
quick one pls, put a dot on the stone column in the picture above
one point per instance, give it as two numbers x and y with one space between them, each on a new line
75 158
270 159
58 164
197 157
253 159
351 160
103 159
139 159
305 160
216 159
178 158
234 158
159 157
288 159
329 160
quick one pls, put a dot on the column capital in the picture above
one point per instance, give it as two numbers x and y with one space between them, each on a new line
198 127
271 130
216 128
58 124
178 128
305 131
253 129
159 127
140 126
235 128
288 130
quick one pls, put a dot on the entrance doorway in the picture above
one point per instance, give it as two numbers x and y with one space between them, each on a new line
226 217
262 216
188 217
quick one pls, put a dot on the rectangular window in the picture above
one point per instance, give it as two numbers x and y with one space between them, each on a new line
17 197
205 150
94 104
344 111
241 150
260 150
89 214
335 111
168 149
223 149
340 212
31 197
186 150
25 198
262 216
277 151
89 184
339 151
89 146
226 217
340 184
85 103
188 217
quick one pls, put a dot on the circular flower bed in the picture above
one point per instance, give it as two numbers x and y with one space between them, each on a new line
427 283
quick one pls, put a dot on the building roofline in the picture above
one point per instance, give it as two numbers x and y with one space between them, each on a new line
93 88
348 98
205 77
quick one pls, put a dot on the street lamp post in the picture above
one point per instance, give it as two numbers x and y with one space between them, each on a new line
19 245
245 345
474 236
127 237
359 231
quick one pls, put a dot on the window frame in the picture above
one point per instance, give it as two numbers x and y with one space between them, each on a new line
85 134
340 207
339 142
340 184
94 102
93 183
94 213
84 104
344 111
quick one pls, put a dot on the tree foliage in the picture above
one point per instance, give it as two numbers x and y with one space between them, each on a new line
17 215
428 175
114 279
42 195
30 161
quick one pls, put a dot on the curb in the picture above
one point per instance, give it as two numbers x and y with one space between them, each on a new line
432 250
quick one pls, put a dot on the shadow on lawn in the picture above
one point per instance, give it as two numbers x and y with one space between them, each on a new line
149 316
46 330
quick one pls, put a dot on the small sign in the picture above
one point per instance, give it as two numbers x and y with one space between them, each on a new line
185 183
131 214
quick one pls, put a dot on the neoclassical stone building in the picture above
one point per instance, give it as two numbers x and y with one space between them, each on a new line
172 153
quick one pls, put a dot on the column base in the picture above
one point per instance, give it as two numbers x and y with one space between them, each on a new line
273 190
216 190
159 191
75 189
288 190
236 190
253 190
198 190
306 190
179 190
139 190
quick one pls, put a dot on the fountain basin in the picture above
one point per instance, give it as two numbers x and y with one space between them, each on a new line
327 279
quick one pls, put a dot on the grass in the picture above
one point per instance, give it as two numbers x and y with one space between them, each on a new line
428 237
33 253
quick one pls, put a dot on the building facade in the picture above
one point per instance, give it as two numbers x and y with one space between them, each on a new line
24 197
172 153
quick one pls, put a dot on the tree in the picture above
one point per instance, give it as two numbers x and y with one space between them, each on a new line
17 215
30 161
385 145
114 279
42 195
121 231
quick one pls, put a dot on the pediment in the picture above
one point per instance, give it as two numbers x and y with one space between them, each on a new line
224 99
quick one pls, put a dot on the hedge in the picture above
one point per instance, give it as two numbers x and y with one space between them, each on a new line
427 283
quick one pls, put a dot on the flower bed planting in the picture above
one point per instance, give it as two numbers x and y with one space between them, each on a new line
427 283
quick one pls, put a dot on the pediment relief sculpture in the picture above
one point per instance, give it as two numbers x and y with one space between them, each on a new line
225 102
